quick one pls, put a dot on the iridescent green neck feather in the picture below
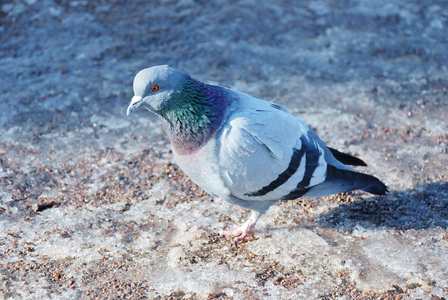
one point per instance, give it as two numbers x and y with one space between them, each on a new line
193 114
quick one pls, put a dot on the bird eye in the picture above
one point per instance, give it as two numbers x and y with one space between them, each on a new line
155 88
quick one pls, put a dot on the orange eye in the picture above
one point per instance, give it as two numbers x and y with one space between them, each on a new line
155 88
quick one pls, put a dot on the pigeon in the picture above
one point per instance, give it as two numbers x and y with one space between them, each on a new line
242 149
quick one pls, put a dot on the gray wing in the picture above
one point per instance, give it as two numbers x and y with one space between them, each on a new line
265 153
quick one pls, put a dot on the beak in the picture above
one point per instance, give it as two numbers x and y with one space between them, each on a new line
135 102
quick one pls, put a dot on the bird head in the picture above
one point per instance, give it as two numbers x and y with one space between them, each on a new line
191 111
153 87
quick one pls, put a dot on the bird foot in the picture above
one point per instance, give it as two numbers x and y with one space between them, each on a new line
240 231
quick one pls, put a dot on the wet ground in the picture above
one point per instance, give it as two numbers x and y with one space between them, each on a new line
93 206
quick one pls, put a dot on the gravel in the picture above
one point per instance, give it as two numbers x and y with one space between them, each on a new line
92 205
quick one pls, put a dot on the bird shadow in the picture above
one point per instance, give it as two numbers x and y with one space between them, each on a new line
424 207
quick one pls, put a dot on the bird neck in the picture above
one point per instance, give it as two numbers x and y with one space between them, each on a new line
195 113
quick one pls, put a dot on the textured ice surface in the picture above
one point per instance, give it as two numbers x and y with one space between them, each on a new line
93 206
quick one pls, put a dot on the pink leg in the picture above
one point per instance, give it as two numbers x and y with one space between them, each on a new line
242 231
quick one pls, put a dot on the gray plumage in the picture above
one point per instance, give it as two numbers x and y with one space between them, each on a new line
245 150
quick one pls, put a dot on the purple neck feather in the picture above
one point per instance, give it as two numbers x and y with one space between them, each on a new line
195 113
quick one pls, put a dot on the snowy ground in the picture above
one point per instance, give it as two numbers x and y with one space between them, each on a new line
93 207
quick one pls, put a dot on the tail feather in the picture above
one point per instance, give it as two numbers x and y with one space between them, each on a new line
356 181
342 181
377 188
347 159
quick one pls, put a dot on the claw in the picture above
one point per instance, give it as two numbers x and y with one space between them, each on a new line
240 231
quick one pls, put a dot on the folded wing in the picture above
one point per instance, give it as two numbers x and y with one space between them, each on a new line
266 153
